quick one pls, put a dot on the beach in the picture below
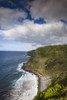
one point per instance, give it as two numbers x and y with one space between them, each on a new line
43 81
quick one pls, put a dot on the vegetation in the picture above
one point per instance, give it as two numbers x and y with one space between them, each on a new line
52 61
52 92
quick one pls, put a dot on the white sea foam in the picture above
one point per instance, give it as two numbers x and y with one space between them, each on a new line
26 87
19 67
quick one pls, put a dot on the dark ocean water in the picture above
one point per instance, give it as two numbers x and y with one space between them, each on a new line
9 73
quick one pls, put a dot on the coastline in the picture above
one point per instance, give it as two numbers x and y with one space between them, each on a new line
43 81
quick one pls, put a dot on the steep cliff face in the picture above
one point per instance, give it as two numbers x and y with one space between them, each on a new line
52 61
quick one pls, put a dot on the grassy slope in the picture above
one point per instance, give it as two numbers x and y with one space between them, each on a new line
51 60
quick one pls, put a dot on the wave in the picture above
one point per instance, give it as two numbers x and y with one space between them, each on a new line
26 87
20 67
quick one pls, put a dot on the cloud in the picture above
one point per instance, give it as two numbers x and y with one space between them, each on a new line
8 16
51 10
29 33
37 34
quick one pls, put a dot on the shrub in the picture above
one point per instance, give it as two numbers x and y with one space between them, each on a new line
53 91
50 93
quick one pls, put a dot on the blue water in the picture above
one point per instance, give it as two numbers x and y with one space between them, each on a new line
9 62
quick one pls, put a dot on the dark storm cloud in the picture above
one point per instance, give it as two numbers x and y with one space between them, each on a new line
51 10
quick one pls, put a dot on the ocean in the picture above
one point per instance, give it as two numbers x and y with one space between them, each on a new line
15 83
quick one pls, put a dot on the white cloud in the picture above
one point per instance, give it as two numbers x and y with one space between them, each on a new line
33 35
37 34
51 10
8 16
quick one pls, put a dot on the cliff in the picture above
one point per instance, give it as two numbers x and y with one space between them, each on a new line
51 61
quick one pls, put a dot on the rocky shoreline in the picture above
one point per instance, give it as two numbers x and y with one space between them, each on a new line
43 81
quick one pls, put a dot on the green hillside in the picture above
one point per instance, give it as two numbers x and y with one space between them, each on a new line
51 61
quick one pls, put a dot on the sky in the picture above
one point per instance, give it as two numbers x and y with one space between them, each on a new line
28 24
